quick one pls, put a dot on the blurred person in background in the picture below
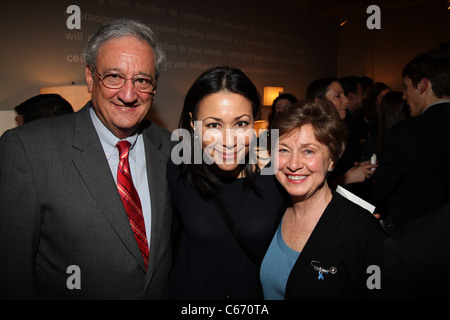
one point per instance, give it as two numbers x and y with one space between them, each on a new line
42 106
412 179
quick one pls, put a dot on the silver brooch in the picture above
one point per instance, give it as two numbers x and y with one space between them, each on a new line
322 271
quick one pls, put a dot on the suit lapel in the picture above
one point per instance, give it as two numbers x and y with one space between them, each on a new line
156 169
90 161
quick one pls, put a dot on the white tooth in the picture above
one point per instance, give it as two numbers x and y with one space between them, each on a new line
296 177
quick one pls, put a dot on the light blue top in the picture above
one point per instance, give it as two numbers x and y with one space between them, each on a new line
136 158
276 267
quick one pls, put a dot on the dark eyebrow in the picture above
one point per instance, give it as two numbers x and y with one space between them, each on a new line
215 119
242 116
220 120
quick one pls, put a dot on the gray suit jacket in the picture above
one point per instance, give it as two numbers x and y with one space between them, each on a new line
59 207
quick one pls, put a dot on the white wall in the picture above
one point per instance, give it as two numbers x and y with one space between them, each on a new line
274 43
7 120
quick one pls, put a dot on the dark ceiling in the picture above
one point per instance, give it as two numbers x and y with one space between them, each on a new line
331 9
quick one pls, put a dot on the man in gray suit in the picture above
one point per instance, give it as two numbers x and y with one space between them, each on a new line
64 231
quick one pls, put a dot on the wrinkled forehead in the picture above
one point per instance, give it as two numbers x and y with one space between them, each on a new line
126 52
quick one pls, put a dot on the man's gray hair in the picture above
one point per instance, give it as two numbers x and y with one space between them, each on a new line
123 28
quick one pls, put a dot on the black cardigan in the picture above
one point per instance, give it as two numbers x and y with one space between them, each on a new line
209 263
348 238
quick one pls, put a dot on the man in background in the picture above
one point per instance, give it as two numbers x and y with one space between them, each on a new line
42 106
413 177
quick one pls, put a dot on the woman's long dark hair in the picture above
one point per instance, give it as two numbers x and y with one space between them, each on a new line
214 80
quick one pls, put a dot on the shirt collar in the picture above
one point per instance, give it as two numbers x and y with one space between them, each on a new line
435 103
108 139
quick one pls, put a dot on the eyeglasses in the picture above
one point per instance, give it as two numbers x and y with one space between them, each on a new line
145 84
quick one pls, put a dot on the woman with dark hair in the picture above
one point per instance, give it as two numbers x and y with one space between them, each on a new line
331 89
348 171
226 210
324 244
392 109
372 110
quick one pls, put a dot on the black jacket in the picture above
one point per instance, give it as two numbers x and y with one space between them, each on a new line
348 238
413 176
416 259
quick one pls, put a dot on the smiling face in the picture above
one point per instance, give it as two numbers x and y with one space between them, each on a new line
226 122
122 110
335 93
303 163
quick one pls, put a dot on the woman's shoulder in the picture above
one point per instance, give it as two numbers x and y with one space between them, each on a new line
354 216
267 181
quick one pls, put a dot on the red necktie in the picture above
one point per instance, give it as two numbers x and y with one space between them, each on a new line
130 199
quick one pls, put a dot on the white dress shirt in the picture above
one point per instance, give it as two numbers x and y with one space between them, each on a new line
137 160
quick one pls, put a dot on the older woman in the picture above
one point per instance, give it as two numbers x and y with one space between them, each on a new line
324 244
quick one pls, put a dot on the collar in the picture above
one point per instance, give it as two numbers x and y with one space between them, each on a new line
435 103
107 138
